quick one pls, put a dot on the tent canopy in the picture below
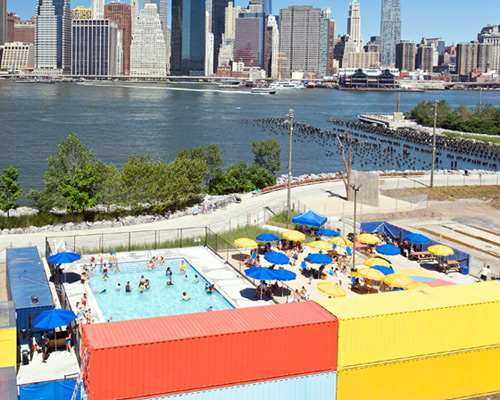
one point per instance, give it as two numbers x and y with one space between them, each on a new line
310 218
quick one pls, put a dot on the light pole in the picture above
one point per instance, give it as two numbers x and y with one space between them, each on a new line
356 190
289 189
434 144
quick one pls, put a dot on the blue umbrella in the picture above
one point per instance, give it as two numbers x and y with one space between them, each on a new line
317 258
388 250
267 237
328 232
50 319
385 270
64 258
260 273
417 238
285 275
276 258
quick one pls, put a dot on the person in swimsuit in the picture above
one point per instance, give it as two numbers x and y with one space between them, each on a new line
68 339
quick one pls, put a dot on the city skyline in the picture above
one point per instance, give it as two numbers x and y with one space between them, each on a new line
425 18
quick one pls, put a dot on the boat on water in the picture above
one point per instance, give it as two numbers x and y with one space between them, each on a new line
286 85
263 90
230 84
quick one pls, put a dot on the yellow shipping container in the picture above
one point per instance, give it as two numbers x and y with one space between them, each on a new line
395 326
450 376
8 343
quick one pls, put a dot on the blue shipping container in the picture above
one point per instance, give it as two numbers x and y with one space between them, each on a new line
317 386
26 278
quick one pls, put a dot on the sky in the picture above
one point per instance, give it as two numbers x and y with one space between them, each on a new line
453 20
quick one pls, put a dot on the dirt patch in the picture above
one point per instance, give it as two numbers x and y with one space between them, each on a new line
447 193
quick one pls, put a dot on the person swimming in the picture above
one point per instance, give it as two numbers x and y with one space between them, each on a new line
185 296
169 282
128 287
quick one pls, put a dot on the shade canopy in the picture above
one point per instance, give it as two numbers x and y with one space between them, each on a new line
385 270
294 235
388 250
440 250
416 286
320 245
246 242
367 238
310 218
275 257
370 262
417 238
64 258
340 241
370 273
267 237
54 318
331 289
397 280
319 258
328 232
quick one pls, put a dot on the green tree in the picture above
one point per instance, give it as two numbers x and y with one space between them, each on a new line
212 156
184 179
80 189
10 190
267 154
240 178
108 183
137 180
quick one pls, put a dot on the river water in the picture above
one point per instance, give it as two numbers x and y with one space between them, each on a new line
120 119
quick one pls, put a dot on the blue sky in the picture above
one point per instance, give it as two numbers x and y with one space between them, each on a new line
453 20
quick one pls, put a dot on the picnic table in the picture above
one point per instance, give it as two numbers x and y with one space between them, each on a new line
422 256
449 266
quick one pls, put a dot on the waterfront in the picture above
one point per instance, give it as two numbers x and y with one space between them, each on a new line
117 120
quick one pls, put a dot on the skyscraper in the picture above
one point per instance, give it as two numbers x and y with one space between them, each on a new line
424 58
405 56
162 7
121 14
97 9
467 57
271 47
3 21
324 30
490 34
390 30
188 37
134 11
354 25
53 36
218 23
249 39
209 47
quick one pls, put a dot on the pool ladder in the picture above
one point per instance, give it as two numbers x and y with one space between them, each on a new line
80 375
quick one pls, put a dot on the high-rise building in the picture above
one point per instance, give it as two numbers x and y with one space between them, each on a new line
361 59
332 41
53 36
405 56
271 47
81 12
249 39
94 47
134 12
424 59
390 30
490 34
148 48
121 14
209 47
218 22
12 19
97 9
467 57
437 43
324 27
484 56
18 56
299 39
354 25
24 31
162 7
231 14
188 37
3 21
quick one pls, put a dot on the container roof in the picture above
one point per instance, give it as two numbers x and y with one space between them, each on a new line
188 326
27 278
412 300
7 315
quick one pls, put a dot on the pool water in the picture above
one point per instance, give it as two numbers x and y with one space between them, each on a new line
160 300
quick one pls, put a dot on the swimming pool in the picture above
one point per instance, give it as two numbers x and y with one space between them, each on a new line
161 299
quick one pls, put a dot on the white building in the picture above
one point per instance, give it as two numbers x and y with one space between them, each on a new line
209 47
97 9
17 56
148 49
226 51
354 25
272 26
134 12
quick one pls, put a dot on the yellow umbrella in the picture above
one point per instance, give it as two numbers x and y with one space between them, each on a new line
367 238
370 273
416 285
340 241
440 250
416 272
371 262
397 280
294 235
245 242
331 289
320 245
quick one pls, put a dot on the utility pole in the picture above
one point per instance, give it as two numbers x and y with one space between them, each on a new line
289 190
434 144
356 190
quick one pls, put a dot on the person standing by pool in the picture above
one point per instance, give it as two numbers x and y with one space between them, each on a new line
142 281
68 339
112 260
485 273
182 267
105 269
128 288
45 346
84 300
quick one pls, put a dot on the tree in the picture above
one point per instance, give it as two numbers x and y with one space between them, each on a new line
212 156
80 189
10 190
240 178
137 180
267 154
108 183
184 179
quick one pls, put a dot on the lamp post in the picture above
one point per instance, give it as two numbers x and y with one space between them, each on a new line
434 144
289 189
356 190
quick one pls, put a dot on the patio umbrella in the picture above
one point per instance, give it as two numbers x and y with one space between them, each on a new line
397 280
370 262
320 245
370 273
294 235
367 238
275 257
267 237
284 275
417 272
440 250
387 250
317 258
328 232
417 238
416 285
246 242
331 289
385 270
261 273
65 257
340 241
50 319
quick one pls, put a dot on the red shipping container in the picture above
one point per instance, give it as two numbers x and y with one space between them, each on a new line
174 354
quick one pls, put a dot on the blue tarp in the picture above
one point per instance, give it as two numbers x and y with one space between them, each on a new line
310 218
60 390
